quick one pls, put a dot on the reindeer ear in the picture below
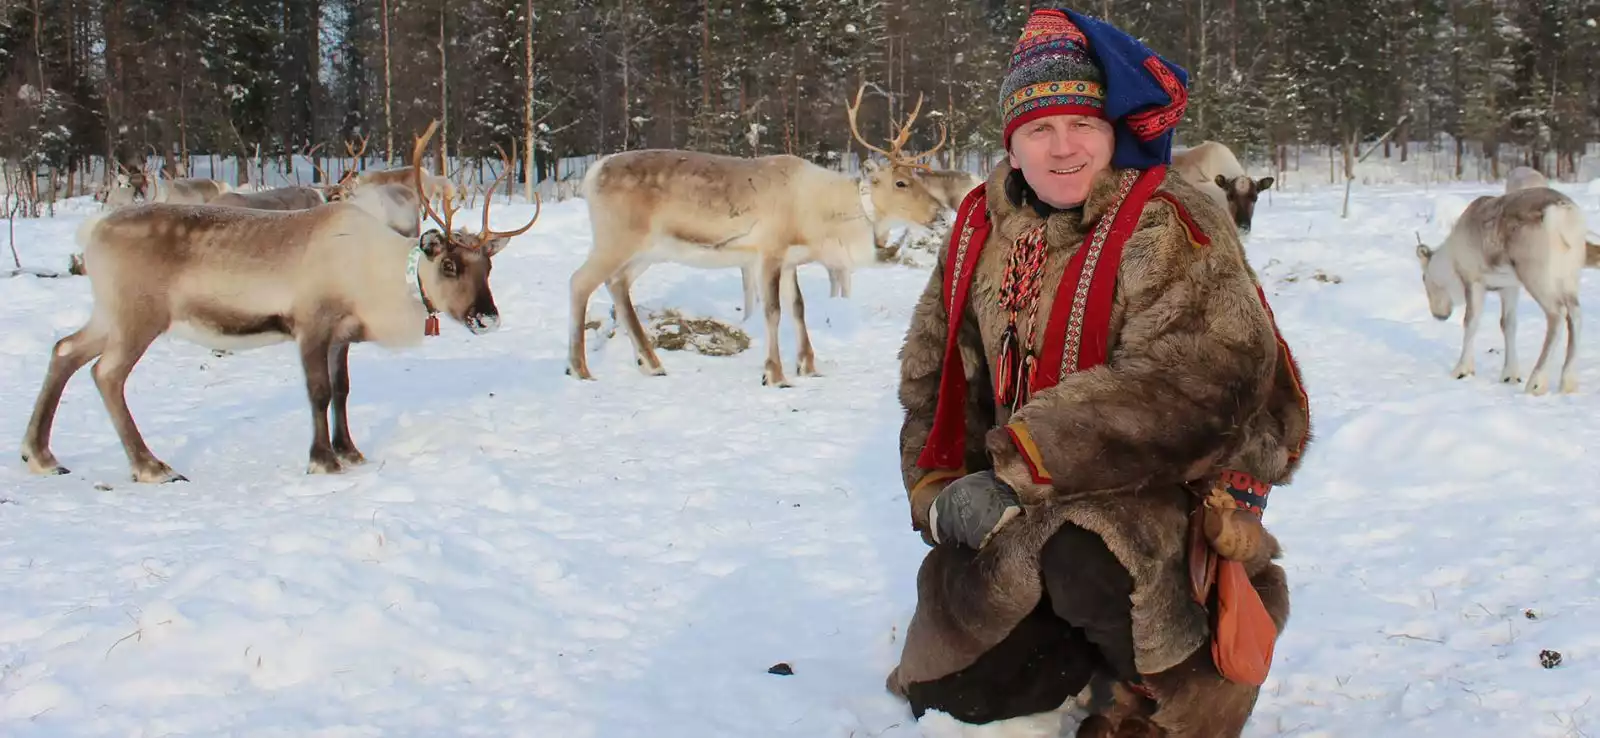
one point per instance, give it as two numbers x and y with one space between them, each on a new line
1423 254
1265 183
433 243
494 246
1222 182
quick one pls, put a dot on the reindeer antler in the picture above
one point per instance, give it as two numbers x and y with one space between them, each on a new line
894 146
351 150
902 133
487 235
422 192
919 160
311 155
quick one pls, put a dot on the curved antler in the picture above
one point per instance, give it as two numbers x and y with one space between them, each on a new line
488 235
422 192
851 111
351 150
919 160
311 154
902 134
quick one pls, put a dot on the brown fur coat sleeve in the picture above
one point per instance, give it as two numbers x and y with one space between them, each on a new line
921 364
1192 361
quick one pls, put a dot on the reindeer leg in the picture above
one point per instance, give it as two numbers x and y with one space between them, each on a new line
1569 377
314 351
70 354
806 366
1470 328
1508 327
1537 383
595 270
643 353
747 280
771 284
124 347
344 447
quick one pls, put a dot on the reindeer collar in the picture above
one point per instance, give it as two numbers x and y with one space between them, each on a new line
430 327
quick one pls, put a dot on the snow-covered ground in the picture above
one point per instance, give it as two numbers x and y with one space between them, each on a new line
528 555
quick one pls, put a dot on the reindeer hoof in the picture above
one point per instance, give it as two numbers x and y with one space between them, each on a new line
328 465
351 457
1462 373
1569 386
581 374
159 473
1537 386
651 371
44 464
1511 379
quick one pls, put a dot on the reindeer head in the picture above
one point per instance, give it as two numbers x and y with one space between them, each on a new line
1439 279
340 190
897 191
1242 193
453 265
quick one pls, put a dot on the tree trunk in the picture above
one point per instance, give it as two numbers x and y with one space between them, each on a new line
627 62
527 108
388 90
444 98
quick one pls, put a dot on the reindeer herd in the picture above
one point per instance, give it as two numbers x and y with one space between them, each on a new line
346 262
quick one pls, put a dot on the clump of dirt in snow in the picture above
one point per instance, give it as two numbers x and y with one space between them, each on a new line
670 330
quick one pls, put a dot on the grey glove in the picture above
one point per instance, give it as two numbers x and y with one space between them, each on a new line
971 509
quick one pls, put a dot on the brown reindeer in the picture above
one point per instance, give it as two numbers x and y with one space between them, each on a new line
1214 169
714 211
235 278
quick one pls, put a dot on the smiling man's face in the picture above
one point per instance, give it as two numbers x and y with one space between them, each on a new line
1059 155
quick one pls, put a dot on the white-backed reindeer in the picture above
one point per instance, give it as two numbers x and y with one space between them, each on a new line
1531 238
235 278
435 186
902 171
188 191
714 211
1523 177
1214 169
123 190
281 198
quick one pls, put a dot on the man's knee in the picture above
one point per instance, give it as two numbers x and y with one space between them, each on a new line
1038 666
1090 589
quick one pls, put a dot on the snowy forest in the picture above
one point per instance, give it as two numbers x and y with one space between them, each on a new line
257 80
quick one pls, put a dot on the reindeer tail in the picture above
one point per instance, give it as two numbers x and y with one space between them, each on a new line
1565 224
79 263
591 177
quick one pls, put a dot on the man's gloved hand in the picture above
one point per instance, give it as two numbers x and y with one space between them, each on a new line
971 509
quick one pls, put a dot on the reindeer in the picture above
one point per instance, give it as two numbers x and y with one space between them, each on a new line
714 211
128 187
352 182
187 191
294 197
229 278
282 198
1213 168
1530 238
1522 178
947 187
